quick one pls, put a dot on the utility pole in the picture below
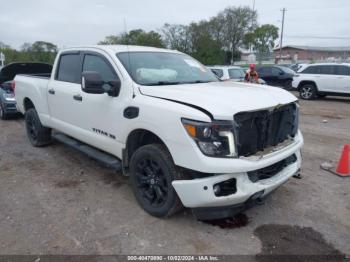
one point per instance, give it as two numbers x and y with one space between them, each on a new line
282 29
2 59
252 24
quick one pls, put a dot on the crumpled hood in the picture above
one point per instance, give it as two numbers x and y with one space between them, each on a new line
223 99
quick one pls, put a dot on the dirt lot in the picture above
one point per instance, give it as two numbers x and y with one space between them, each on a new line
54 200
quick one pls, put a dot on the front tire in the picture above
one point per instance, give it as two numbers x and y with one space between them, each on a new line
308 92
38 135
152 172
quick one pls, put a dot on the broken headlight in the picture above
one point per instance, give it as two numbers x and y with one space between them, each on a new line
215 139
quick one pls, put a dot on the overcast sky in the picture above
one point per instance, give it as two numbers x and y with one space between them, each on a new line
80 22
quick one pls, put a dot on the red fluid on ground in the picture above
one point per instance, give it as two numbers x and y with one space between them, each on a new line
240 220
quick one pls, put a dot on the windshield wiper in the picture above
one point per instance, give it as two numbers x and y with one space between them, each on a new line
199 82
163 83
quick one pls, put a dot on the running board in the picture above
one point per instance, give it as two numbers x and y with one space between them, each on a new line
106 159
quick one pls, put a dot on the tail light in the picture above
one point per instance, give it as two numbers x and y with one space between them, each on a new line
13 85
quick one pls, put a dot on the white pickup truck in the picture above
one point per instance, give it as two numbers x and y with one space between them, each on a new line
182 136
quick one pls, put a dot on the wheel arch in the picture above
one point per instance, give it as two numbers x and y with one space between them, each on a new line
27 104
138 138
305 82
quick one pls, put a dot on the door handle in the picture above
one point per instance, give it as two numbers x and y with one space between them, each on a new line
78 97
51 91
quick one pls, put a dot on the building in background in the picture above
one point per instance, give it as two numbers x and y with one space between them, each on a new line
294 53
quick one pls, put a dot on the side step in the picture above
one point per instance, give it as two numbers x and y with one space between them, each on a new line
106 159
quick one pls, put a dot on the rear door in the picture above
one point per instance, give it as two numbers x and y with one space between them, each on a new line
343 78
327 78
64 92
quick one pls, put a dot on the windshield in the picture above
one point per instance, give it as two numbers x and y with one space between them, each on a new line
161 68
236 73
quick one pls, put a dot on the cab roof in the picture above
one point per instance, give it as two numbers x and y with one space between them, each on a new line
123 48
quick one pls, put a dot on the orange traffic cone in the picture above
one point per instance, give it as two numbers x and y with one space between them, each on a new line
344 163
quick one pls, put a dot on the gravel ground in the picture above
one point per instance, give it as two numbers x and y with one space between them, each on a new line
54 200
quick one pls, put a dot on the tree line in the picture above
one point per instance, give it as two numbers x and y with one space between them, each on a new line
217 40
39 51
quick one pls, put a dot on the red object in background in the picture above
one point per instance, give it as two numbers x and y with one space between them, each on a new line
343 168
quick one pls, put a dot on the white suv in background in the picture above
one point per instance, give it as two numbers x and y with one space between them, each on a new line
231 73
323 79
234 73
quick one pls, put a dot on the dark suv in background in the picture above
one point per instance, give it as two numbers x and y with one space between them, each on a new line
277 76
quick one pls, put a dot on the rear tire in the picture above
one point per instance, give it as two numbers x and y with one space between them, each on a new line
3 114
308 92
38 135
152 172
288 85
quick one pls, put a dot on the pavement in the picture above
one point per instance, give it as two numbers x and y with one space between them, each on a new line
54 200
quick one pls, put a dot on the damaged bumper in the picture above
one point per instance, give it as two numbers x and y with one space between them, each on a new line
225 194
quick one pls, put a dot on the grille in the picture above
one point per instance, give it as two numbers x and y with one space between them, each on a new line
256 131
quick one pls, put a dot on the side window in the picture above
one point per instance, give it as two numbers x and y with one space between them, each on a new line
276 71
69 68
342 70
326 70
218 72
311 70
98 64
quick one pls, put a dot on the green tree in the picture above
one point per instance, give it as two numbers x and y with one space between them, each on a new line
40 51
177 37
238 21
135 37
262 39
205 47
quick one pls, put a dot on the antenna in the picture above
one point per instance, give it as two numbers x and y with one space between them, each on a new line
129 59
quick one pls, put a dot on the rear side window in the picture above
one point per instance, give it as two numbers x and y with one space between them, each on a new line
218 72
342 70
327 70
69 68
98 64
311 70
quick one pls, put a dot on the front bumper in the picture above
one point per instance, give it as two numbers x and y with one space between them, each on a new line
199 193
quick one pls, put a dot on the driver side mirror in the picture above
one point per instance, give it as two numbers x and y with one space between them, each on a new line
92 83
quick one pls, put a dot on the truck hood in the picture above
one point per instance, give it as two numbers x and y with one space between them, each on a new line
222 99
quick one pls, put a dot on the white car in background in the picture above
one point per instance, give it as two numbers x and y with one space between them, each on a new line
231 73
320 80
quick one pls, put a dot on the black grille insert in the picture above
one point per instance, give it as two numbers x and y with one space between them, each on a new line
272 170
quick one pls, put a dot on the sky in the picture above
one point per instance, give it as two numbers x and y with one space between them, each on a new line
85 22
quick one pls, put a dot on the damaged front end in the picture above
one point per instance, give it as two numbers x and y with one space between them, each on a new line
264 131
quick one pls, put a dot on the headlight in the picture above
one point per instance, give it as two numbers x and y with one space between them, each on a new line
215 139
9 97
